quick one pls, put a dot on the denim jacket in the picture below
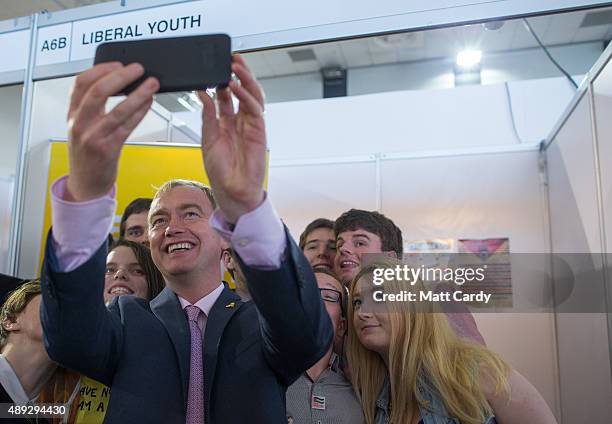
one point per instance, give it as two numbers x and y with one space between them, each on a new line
433 412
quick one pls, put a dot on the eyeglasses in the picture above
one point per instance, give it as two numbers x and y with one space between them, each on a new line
331 295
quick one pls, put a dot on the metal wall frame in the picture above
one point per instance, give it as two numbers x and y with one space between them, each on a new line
24 130
586 90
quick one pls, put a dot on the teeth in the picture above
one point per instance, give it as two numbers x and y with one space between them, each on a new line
178 246
345 263
120 290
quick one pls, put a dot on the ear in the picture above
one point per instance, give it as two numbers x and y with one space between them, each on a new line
390 254
9 325
341 330
226 258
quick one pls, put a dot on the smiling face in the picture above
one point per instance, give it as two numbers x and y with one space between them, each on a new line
124 275
350 246
371 324
334 309
320 248
183 245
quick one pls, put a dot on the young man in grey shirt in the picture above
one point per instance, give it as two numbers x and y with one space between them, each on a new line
323 394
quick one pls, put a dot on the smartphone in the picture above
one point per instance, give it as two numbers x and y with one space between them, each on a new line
179 63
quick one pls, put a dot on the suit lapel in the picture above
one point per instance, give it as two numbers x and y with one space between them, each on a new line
167 308
223 309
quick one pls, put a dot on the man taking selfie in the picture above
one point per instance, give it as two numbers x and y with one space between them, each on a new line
196 353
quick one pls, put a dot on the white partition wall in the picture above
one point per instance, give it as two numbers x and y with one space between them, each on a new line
582 338
468 196
10 108
579 178
602 93
484 196
602 105
305 192
7 184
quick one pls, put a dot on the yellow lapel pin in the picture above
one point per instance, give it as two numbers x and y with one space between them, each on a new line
230 305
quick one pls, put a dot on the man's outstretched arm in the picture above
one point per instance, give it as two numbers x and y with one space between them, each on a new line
294 324
79 331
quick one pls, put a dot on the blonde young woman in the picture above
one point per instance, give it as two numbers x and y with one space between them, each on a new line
409 367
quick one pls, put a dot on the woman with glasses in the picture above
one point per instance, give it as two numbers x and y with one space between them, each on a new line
322 393
409 366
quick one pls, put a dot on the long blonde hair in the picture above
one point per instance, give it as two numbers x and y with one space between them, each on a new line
423 350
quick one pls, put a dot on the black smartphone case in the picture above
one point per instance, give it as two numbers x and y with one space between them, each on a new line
179 63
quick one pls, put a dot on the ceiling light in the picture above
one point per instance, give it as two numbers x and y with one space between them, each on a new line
469 58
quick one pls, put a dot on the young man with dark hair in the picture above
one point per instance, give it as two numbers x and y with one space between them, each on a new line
133 224
360 232
319 244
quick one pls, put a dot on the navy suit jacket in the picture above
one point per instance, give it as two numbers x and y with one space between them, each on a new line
252 351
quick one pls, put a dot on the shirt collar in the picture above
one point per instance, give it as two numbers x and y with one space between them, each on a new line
206 303
334 362
11 382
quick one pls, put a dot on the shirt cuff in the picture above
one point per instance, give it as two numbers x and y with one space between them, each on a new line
258 237
79 228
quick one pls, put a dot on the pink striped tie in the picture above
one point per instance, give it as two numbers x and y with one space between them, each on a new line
195 397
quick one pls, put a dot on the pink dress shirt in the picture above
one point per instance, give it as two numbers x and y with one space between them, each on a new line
205 304
80 228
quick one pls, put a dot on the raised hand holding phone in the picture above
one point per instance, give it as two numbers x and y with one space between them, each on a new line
234 143
95 138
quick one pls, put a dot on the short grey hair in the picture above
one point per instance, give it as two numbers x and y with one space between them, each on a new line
169 185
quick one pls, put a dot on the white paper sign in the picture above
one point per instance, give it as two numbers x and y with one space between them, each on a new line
14 49
53 44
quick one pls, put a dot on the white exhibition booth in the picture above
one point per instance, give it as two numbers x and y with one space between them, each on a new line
440 163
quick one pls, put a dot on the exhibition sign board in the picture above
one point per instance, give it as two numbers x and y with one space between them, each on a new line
14 49
264 20
53 44
78 40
